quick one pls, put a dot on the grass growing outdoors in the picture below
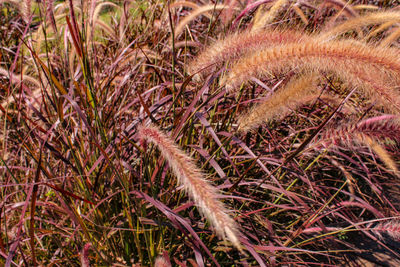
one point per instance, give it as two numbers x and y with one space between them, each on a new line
199 133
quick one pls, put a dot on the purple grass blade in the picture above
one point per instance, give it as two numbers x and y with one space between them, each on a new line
176 219
216 139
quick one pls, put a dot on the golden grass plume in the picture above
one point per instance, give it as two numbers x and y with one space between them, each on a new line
391 38
198 188
372 132
354 23
236 45
376 70
261 21
289 97
380 29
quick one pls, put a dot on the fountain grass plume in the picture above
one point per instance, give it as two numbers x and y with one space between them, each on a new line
375 70
371 132
294 94
391 228
236 45
269 16
361 21
198 188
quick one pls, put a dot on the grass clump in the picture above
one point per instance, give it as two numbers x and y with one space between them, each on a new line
307 173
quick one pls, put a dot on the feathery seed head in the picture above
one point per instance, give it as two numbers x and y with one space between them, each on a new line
370 132
200 190
391 228
361 21
358 64
235 46
294 94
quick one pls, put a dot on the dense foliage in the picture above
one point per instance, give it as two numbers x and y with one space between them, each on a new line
159 133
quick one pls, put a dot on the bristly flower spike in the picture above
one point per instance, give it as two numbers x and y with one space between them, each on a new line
198 188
